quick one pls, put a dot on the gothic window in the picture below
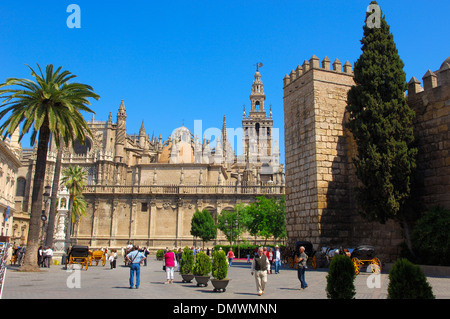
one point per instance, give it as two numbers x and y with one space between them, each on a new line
257 105
81 149
257 128
20 189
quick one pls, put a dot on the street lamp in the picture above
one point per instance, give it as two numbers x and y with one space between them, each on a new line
43 216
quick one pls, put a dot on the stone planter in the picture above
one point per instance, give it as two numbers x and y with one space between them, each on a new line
187 277
220 284
202 281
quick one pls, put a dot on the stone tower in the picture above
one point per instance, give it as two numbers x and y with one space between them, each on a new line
320 175
257 127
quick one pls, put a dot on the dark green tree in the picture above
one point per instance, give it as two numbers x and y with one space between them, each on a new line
340 278
203 226
408 281
382 125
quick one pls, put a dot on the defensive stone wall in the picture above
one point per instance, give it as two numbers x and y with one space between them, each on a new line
431 129
320 177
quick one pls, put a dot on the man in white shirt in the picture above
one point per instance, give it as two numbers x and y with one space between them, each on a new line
48 254
277 259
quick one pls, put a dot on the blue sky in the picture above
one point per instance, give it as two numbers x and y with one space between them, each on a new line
179 61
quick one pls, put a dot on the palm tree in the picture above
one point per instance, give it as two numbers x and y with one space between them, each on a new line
51 105
74 178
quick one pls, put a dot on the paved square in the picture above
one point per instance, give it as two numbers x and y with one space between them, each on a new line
105 283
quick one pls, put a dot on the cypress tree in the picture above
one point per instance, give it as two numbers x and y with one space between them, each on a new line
382 125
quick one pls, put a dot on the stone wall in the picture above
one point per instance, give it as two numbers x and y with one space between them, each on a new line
432 106
320 175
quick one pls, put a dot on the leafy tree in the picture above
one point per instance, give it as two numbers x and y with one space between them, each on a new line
266 217
340 278
203 226
382 125
51 105
407 281
228 218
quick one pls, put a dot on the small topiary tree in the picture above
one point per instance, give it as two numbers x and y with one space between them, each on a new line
341 275
202 266
407 281
220 265
159 254
187 261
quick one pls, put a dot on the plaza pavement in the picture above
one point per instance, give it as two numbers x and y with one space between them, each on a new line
103 283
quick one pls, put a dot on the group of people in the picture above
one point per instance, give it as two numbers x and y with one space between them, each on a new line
260 268
262 265
45 255
18 253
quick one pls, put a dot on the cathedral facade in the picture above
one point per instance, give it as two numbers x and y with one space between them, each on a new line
145 190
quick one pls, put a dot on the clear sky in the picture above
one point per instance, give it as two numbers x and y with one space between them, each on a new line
173 62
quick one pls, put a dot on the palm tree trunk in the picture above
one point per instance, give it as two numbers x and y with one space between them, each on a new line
30 260
53 199
69 223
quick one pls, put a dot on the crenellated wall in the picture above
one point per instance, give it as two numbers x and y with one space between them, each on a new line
431 129
320 176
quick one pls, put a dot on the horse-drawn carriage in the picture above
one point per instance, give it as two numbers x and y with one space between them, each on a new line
365 255
78 255
97 256
326 255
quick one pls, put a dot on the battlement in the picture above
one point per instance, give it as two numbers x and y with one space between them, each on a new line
314 64
431 80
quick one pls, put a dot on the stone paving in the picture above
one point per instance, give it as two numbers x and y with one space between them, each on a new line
104 283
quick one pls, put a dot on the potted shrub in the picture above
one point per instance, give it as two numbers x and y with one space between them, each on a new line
186 265
340 278
220 271
159 254
202 269
408 281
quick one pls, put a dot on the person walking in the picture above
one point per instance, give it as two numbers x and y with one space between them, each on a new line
270 256
260 267
40 256
135 257
230 256
114 254
302 258
277 259
170 262
111 261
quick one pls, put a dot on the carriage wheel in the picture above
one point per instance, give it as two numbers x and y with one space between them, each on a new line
357 265
291 262
314 262
377 268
